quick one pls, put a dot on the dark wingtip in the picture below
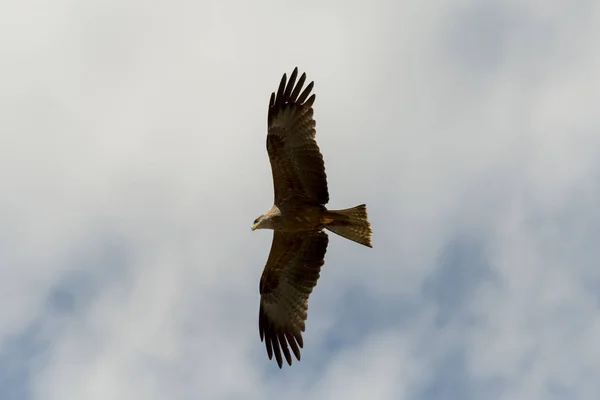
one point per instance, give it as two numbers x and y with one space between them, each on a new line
261 329
279 345
284 347
272 100
277 349
280 90
305 93
290 85
296 91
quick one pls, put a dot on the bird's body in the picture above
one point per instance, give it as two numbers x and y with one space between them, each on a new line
298 218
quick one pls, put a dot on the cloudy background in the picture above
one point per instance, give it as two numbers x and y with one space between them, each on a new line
133 161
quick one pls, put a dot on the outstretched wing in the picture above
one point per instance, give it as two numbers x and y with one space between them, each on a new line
291 273
296 161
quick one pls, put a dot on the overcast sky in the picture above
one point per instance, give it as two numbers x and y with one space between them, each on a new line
133 162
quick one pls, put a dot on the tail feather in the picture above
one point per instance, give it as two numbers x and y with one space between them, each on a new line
352 223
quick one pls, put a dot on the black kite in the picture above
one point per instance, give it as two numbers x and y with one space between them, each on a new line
298 218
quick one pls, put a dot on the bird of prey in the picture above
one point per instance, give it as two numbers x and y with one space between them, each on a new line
298 218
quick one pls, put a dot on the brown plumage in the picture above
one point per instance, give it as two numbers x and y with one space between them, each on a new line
298 217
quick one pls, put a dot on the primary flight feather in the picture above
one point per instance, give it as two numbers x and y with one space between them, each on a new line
298 218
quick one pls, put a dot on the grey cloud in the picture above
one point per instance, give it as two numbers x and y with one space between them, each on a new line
132 161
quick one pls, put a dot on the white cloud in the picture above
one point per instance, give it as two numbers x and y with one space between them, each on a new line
132 162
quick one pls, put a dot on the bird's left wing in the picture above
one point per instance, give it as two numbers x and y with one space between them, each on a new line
291 273
296 160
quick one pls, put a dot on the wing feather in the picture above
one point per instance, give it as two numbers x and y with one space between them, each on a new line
298 88
290 85
296 160
291 272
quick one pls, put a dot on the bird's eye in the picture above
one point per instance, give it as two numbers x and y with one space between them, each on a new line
256 221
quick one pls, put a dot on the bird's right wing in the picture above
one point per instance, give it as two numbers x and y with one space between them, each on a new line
290 274
296 161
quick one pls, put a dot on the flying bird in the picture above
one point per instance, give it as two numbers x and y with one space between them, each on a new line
298 218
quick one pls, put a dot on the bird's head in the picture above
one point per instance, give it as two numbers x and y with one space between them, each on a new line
262 222
268 220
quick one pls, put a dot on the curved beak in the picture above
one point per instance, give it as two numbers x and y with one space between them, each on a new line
253 227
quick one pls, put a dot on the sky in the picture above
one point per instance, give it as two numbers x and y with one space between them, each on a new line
133 162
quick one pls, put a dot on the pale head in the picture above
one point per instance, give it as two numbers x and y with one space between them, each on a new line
265 221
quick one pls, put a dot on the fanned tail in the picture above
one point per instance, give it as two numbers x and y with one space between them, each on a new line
351 223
